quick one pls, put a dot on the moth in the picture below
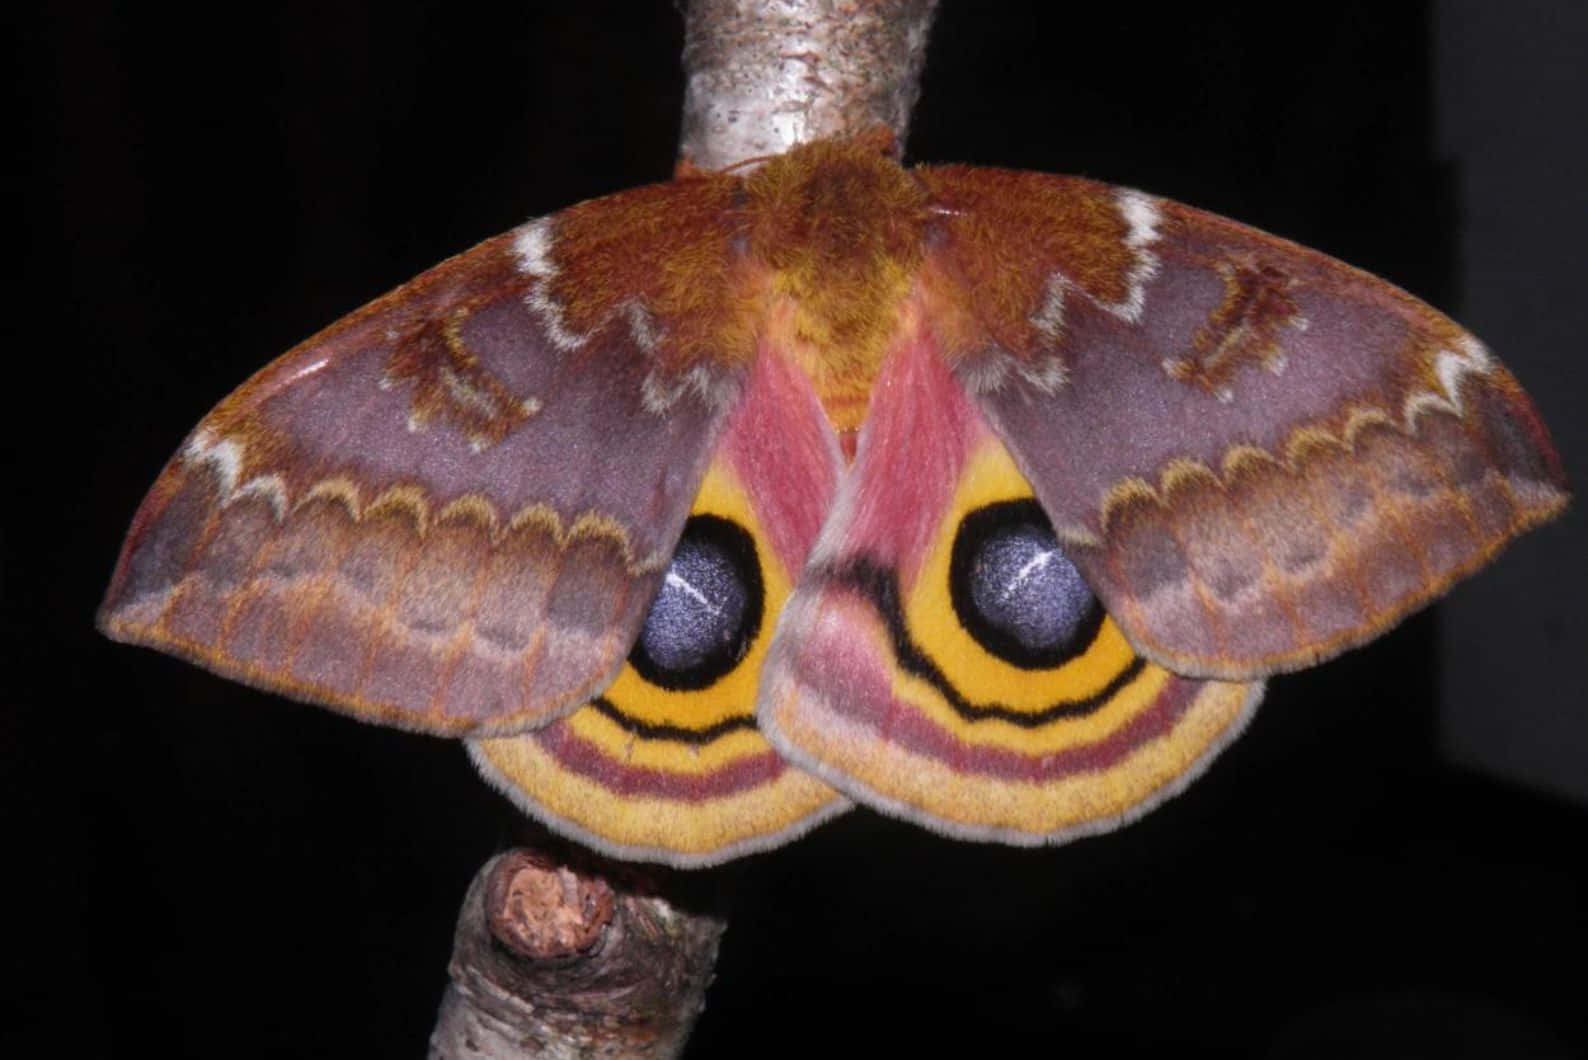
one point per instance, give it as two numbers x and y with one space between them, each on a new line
704 510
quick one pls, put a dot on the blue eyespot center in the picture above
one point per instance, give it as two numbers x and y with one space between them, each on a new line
707 611
1016 592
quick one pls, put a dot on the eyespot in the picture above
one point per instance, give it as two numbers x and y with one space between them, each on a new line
707 611
1015 591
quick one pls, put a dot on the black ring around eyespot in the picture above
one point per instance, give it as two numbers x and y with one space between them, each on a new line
738 546
974 531
880 586
646 730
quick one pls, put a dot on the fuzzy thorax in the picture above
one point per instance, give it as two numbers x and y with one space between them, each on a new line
839 226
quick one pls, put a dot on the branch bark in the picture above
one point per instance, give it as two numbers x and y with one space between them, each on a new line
573 956
765 75
553 958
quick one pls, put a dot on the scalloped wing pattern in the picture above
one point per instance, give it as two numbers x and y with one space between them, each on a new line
451 510
1259 457
422 516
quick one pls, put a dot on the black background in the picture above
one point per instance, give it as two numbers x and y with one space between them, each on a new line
209 870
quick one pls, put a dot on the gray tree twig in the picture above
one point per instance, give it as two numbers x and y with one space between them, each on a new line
765 75
553 959
576 957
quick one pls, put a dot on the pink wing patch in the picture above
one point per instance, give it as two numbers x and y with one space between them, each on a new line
661 771
891 681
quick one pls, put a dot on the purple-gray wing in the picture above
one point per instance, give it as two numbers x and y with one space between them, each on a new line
449 511
1256 455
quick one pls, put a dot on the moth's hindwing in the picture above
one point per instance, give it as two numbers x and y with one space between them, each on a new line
667 764
944 662
1118 460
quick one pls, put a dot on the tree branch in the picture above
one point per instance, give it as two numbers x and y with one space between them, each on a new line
556 959
575 957
765 75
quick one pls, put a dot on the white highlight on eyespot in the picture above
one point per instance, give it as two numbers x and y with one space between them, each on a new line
532 247
687 587
1028 570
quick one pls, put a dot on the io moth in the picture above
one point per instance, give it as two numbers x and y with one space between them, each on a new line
705 510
